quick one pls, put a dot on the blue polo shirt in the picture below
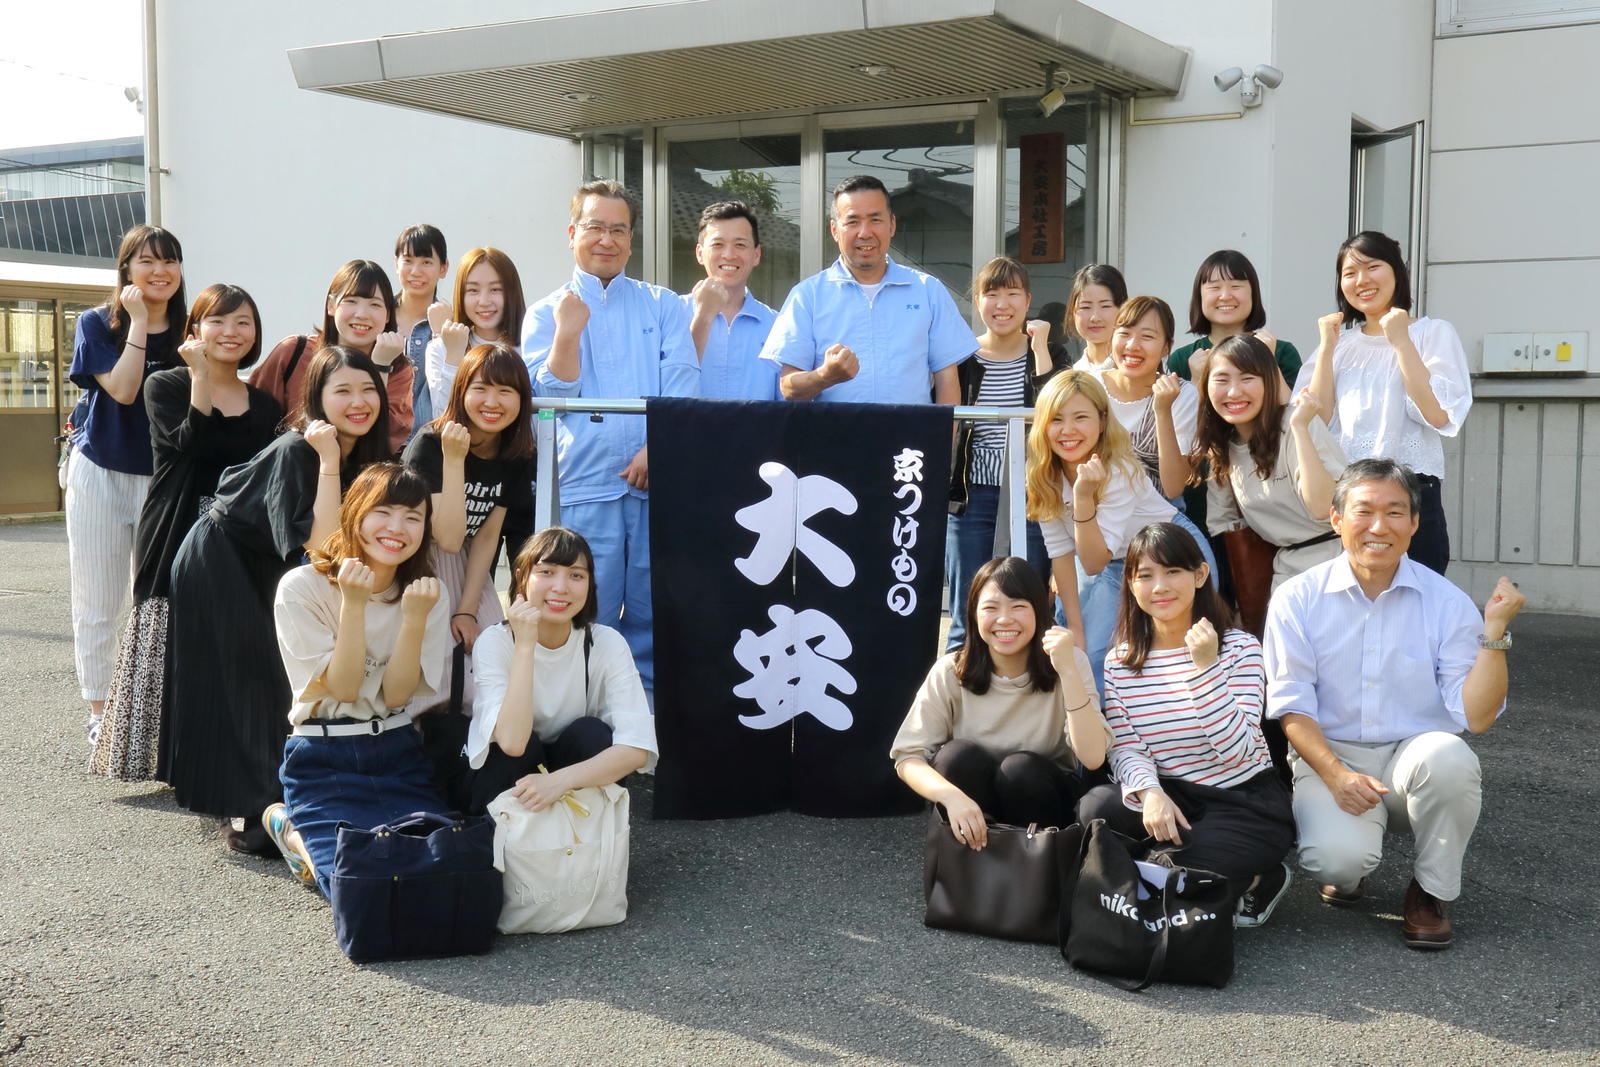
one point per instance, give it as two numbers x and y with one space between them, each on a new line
902 337
732 367
636 344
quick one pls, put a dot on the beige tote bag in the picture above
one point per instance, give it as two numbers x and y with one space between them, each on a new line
564 869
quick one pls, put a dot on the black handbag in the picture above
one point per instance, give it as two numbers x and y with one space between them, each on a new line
1011 888
424 885
1170 924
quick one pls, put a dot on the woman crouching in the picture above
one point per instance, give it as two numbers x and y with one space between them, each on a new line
363 633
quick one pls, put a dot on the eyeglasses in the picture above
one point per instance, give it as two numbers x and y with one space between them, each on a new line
591 228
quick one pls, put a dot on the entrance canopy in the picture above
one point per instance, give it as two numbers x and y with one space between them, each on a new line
709 58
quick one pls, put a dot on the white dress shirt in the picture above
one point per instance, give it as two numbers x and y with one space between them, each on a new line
1373 671
1373 417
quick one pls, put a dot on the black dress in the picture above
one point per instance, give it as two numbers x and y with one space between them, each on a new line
227 696
191 451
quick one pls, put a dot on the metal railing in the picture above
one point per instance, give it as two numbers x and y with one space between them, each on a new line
1010 525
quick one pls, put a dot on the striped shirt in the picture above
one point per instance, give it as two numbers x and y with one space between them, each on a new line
1002 387
1173 721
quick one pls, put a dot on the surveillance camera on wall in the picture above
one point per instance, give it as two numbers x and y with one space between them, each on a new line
1264 76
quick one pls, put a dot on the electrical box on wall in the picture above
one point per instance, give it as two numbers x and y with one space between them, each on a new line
1536 353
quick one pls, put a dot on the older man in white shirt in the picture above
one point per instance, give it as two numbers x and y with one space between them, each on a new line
1375 665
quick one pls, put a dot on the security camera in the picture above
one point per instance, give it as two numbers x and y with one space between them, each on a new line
1226 79
1269 76
1264 76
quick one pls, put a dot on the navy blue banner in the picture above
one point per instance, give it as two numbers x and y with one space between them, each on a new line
797 559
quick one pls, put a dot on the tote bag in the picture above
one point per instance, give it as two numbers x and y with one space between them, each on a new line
564 869
424 885
1010 888
1136 920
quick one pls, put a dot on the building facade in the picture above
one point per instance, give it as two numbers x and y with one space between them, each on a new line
362 121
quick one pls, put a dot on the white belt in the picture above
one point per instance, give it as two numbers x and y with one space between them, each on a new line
314 728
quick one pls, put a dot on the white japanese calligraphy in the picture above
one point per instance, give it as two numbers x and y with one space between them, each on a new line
780 525
789 675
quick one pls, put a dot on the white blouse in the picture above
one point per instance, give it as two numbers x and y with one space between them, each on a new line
1374 418
1127 505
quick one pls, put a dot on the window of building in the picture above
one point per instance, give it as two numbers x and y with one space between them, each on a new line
1462 17
1386 191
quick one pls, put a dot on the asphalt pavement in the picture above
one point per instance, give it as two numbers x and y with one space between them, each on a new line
130 935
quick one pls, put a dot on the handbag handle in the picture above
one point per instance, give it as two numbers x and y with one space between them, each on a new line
426 821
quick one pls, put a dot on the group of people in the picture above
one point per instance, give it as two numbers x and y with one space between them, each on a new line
299 595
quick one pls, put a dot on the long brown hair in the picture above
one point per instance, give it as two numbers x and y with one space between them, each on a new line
1017 579
515 305
378 485
370 447
1213 434
495 363
1163 544
161 244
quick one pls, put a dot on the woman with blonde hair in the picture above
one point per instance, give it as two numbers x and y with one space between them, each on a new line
1090 495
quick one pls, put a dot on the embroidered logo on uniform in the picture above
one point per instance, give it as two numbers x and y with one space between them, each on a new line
913 307
649 329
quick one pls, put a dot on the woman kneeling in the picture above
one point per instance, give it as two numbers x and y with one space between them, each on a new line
1001 725
558 704
1183 698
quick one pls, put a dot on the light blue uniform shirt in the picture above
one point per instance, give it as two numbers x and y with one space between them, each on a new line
910 331
636 344
732 367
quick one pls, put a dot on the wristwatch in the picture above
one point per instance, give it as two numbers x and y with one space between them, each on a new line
1495 646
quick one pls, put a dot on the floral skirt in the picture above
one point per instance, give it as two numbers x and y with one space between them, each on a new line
131 730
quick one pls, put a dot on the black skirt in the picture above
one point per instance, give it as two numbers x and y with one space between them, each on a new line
227 695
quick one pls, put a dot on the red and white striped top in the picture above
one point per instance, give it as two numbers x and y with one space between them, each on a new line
1171 720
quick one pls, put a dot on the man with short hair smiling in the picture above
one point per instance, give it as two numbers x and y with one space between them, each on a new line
868 328
728 323
1375 664
605 335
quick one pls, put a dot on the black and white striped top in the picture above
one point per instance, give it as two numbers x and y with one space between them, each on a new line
1173 721
1002 387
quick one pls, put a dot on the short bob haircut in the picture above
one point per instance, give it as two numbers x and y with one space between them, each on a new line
515 305
215 300
1227 265
1378 470
161 244
496 363
562 547
729 209
379 485
1214 435
1372 245
1163 544
1095 274
359 277
1001 272
421 240
1045 470
1017 579
372 446
606 189
1136 308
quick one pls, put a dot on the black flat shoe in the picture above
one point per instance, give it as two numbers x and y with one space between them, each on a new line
253 840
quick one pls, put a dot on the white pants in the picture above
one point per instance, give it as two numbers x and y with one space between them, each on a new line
102 515
1434 789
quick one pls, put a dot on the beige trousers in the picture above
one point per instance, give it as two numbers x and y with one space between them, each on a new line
1434 790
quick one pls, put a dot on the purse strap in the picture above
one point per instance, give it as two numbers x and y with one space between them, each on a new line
458 677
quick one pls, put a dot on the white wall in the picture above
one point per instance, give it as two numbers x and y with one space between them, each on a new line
274 187
1516 147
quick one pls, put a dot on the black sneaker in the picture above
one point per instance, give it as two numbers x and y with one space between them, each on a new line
1257 903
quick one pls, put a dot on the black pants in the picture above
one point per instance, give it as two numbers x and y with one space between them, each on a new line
1020 788
470 791
1430 546
1237 833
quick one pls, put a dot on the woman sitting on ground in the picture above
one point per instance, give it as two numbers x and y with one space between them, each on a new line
1184 692
558 703
362 630
1001 726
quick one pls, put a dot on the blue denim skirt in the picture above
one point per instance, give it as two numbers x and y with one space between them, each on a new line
366 781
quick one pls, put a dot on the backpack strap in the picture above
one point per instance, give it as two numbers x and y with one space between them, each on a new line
293 361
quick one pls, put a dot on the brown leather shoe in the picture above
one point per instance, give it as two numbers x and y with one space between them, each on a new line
1332 894
1427 919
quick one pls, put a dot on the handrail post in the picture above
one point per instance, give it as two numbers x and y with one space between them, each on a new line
547 486
1011 516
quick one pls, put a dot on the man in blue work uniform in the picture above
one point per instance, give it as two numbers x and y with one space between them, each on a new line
728 323
605 335
868 329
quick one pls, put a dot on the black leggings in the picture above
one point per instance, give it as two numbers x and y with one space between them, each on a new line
1237 833
1020 788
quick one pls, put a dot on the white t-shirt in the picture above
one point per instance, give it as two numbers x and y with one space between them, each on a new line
306 614
1127 505
614 693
